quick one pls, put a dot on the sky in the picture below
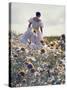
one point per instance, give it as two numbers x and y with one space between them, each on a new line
53 17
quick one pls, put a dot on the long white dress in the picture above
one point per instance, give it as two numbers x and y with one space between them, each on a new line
30 35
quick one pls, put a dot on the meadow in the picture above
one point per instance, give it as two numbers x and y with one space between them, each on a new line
29 67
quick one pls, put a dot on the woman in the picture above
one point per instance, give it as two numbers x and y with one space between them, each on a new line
34 32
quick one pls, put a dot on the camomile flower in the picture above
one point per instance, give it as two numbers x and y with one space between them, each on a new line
31 58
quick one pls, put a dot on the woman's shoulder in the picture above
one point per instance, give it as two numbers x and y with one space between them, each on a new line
30 20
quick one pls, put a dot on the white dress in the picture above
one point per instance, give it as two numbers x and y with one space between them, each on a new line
26 36
30 35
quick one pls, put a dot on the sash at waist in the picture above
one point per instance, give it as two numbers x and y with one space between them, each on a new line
35 30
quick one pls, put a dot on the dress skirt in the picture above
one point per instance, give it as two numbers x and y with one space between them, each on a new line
35 38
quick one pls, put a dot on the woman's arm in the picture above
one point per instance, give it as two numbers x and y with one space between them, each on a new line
41 29
29 25
41 26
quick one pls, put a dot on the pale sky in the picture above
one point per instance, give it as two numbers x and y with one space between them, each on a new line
53 17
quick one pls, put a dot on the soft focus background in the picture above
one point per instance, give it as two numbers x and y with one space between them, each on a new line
53 17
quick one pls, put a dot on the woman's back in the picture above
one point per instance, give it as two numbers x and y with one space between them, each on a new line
36 23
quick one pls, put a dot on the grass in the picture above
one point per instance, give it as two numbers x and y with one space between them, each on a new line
52 38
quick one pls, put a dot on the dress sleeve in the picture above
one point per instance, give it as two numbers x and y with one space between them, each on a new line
41 24
30 20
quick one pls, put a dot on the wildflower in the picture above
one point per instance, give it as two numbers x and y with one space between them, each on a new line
18 49
32 70
39 69
42 42
24 80
22 73
26 50
15 55
42 51
51 44
23 49
29 66
31 58
36 74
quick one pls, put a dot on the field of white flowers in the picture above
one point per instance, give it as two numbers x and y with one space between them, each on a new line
29 67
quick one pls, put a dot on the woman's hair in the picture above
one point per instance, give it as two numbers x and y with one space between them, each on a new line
38 14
